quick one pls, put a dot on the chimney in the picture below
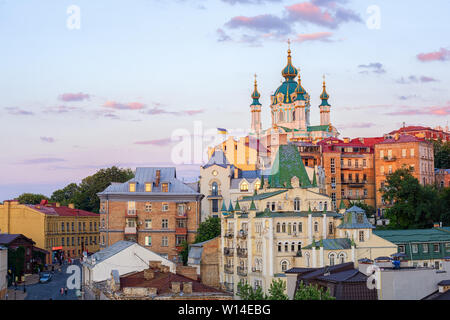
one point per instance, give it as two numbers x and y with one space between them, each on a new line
346 140
156 265
57 204
188 272
158 177
187 287
236 173
175 286
71 206
149 274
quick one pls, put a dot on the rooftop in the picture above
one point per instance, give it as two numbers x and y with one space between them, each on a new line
415 235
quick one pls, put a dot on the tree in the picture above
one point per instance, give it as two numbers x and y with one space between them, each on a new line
31 198
86 198
413 205
441 154
66 195
246 292
208 229
309 292
16 260
277 290
184 252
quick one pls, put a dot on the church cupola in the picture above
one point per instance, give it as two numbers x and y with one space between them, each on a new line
256 95
256 110
324 106
300 91
289 72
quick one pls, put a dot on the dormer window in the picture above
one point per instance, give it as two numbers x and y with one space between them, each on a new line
165 187
132 187
148 187
244 186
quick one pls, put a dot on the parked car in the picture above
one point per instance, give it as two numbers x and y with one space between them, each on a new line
45 277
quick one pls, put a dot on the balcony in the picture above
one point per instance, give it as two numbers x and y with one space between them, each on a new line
130 213
241 252
388 159
130 230
229 286
242 271
242 234
228 251
352 168
229 234
180 231
254 269
229 269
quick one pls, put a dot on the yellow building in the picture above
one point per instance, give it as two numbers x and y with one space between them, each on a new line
64 231
289 223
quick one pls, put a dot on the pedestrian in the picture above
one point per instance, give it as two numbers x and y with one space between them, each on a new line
65 291
62 291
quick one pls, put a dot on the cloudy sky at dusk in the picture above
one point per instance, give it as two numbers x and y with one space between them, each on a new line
113 91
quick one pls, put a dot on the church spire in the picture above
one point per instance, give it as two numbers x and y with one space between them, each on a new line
255 95
324 96
289 72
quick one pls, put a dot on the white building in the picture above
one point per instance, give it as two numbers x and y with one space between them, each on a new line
123 256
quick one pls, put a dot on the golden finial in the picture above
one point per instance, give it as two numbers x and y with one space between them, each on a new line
289 48
324 80
299 78
255 79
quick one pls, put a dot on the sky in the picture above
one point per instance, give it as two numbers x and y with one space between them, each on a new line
85 85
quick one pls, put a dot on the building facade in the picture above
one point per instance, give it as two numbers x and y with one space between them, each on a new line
402 151
437 133
14 241
154 209
3 272
65 232
442 178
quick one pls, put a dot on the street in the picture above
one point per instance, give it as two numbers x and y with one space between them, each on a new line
51 289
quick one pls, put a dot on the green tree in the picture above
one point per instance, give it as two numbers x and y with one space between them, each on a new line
86 198
277 290
184 254
208 229
31 198
66 195
16 260
309 292
441 154
413 205
246 292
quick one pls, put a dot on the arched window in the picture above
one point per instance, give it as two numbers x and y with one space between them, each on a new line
300 227
257 185
341 257
280 116
294 227
293 115
284 265
279 246
332 256
308 262
325 204
299 246
214 189
297 204
330 228
286 247
244 186
273 206
316 226
289 228
278 227
320 206
283 227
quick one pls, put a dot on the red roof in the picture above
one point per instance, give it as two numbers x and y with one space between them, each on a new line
403 139
162 281
411 128
52 209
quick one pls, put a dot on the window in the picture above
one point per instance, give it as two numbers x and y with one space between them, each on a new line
148 224
381 154
330 227
279 246
283 227
349 162
257 185
132 187
90 240
148 207
131 207
278 227
165 224
436 247
131 223
297 204
214 189
179 239
300 227
403 153
182 209
95 226
341 258
364 163
215 205
165 207
165 187
148 187
436 264
68 228
62 241
320 206
84 226
284 265
244 186
286 247
316 226
73 226
447 247
361 236
350 177
164 241
333 183
332 166
181 223
356 163
390 169
294 227
273 206
90 226
411 152
415 248
425 248
73 241
79 226
62 226
382 169
331 259
401 248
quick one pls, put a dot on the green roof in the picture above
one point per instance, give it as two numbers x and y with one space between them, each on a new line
414 235
237 207
332 244
252 206
285 214
288 163
324 127
314 183
342 205
262 196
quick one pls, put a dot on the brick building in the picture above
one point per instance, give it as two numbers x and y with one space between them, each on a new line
349 169
442 177
66 232
402 151
154 209
14 241
204 257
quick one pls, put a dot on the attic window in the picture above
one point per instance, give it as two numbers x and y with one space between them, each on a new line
132 187
148 187
165 187
359 218
244 186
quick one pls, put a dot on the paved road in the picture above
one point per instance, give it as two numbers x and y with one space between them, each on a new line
51 289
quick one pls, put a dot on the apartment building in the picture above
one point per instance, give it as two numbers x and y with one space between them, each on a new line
154 209
66 232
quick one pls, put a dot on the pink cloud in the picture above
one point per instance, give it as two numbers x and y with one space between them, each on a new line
59 109
47 139
121 106
431 111
156 142
73 96
320 36
441 55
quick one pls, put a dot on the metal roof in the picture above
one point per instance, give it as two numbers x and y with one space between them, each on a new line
414 235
